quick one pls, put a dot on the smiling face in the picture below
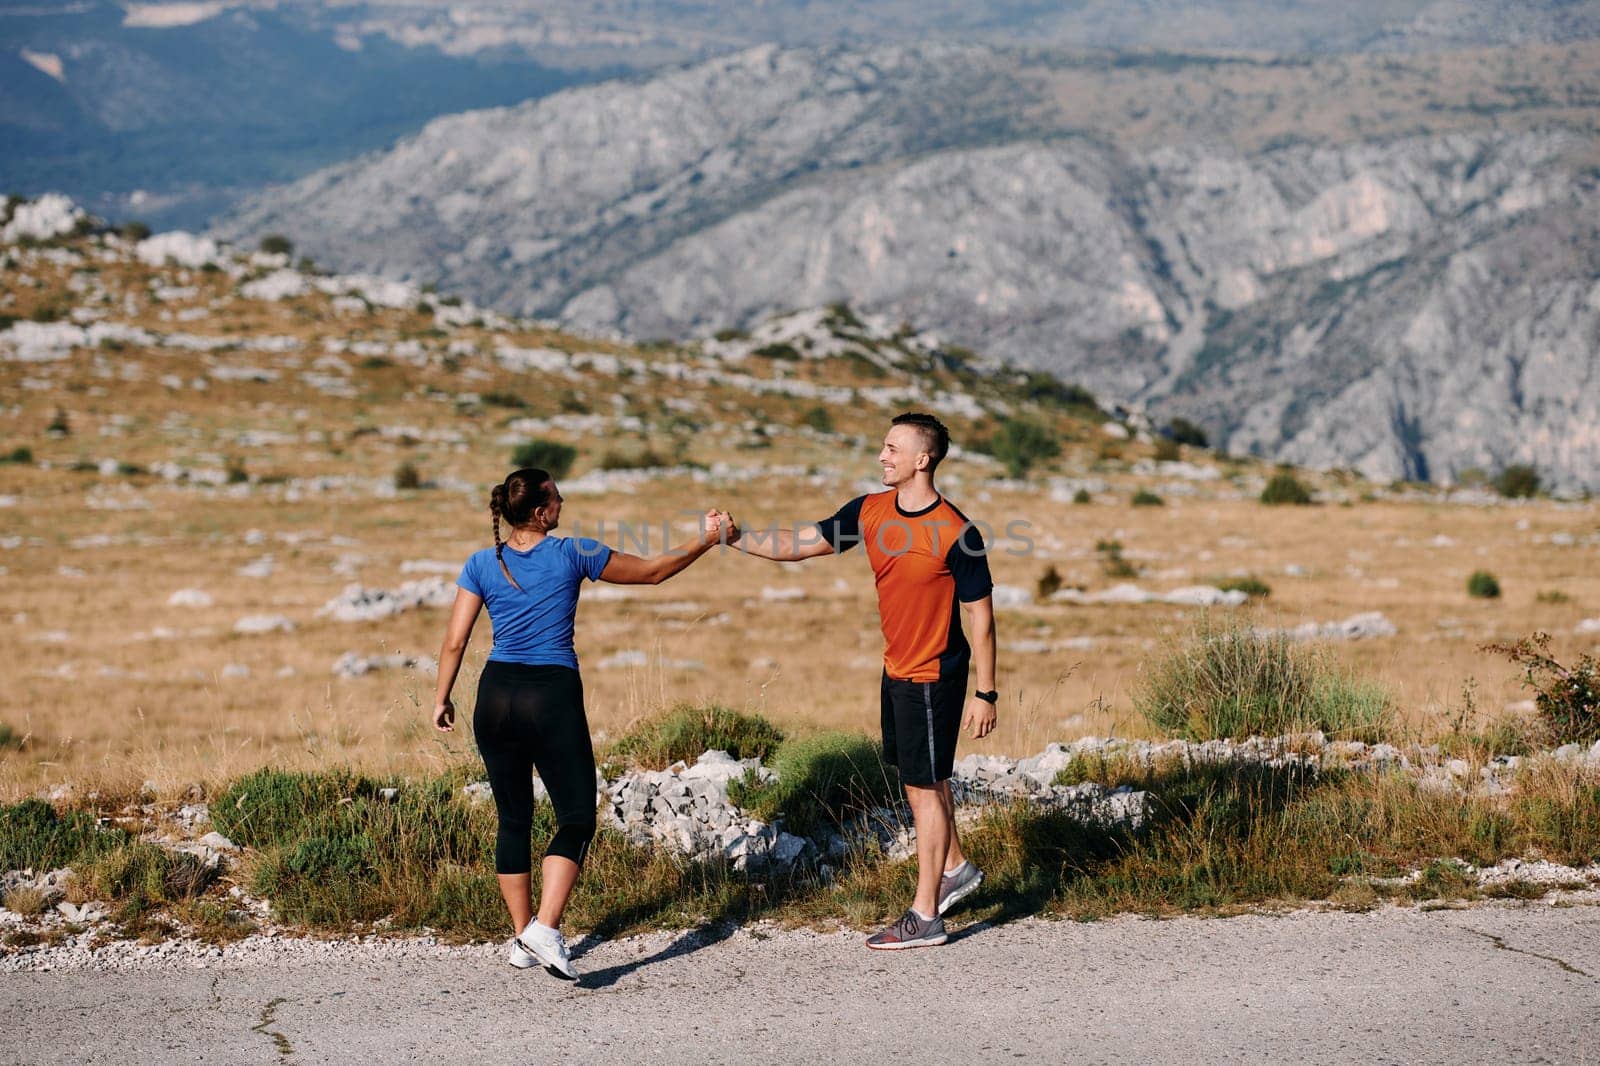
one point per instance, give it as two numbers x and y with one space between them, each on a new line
904 453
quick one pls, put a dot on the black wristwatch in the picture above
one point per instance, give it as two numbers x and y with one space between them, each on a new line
987 697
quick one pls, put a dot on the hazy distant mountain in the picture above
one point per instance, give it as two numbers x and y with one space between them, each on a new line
645 32
1352 261
194 103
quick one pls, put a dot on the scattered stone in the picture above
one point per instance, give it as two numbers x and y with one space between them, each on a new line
359 604
1366 626
351 664
263 623
190 598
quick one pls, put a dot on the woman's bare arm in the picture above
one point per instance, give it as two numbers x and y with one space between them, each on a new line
463 616
625 569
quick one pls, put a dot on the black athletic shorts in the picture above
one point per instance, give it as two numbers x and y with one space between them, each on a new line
921 721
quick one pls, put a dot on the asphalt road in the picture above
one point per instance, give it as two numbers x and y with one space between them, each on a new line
1517 983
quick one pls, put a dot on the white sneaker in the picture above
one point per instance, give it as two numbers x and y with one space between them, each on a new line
520 956
549 947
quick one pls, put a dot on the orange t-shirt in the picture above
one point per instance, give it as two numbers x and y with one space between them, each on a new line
925 563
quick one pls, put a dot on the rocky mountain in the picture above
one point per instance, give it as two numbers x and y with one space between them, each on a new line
169 112
648 32
1406 285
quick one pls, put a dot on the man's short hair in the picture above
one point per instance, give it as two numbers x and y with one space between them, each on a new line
935 437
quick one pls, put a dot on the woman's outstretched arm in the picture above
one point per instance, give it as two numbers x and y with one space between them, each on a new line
462 618
624 569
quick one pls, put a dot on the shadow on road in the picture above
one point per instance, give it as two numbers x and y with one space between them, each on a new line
684 944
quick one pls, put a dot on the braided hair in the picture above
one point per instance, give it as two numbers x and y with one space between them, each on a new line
515 499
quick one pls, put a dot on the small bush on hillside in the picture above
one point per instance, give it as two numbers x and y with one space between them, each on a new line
1517 481
1022 444
686 731
33 835
277 244
134 230
1566 697
59 426
1146 498
1044 388
818 418
22 455
1183 431
1048 585
1111 560
279 806
1285 488
823 781
407 476
551 456
1251 586
1082 496
237 474
9 737
785 352
1167 451
1482 585
497 398
1553 597
644 459
1227 680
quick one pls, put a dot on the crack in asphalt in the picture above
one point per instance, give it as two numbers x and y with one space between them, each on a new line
1500 943
269 1015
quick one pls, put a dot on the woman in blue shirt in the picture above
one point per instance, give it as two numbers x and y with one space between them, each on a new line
530 697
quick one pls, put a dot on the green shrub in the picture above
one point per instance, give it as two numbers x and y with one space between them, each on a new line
1285 488
1022 444
134 230
497 398
237 474
1048 585
407 476
644 459
818 418
9 737
781 351
33 835
1082 496
823 781
277 244
1183 431
1146 498
142 876
59 427
1567 698
281 806
686 731
1167 451
551 456
1552 596
1226 680
1251 586
1517 481
1111 560
1047 389
21 455
1482 585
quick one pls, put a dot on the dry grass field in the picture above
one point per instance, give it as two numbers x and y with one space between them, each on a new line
262 473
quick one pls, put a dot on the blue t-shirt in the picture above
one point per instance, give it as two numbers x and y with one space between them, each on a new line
534 625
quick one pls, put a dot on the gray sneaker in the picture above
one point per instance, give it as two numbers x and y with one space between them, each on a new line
958 884
909 932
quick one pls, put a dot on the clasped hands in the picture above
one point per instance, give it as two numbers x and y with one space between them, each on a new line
718 527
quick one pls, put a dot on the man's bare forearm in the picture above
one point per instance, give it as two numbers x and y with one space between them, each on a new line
780 545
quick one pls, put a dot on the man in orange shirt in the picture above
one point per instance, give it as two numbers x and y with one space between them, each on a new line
927 559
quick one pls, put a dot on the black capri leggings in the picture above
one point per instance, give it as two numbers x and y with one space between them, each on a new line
527 717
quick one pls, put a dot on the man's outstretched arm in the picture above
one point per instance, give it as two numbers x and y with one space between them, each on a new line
784 545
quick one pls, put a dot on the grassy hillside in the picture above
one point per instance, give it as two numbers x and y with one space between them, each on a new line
173 429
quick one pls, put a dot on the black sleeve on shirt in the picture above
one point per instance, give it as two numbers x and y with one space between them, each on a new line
968 560
843 530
